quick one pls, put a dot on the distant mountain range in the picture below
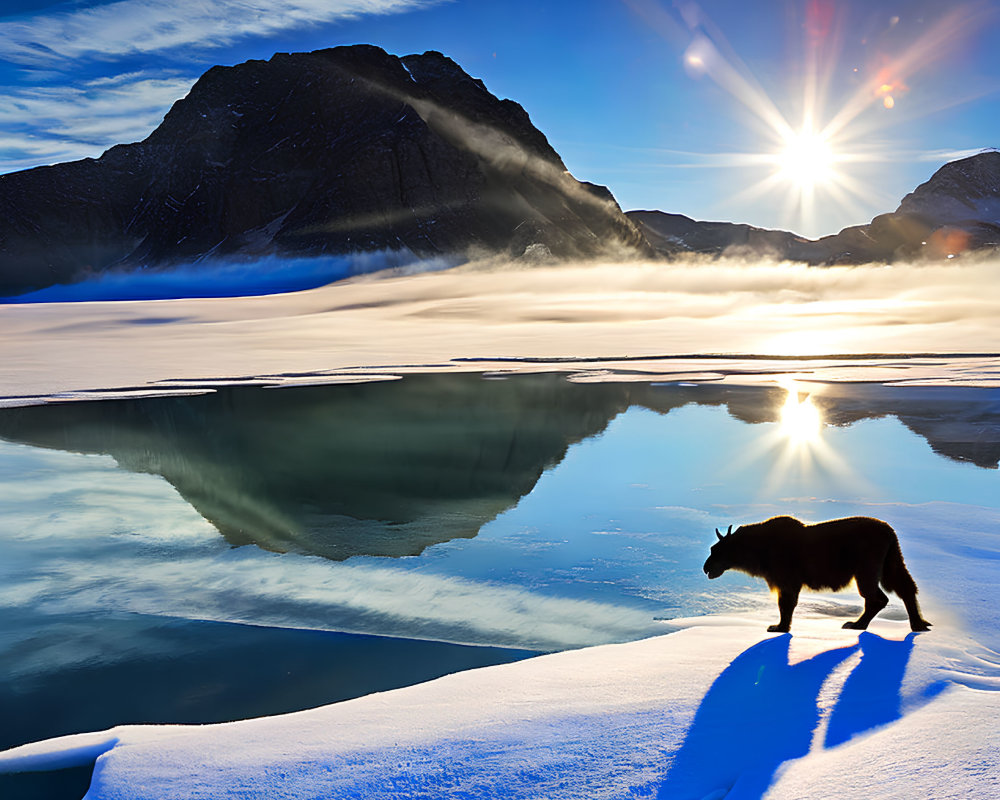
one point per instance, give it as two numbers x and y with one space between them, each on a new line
354 150
956 211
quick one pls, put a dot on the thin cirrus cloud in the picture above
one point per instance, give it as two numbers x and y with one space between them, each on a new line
71 102
130 27
44 124
82 111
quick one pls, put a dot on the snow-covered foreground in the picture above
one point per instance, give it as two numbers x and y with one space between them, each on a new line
718 708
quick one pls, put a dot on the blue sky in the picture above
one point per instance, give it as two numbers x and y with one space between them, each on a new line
687 107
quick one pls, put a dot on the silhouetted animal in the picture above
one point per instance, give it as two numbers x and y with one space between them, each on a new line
789 554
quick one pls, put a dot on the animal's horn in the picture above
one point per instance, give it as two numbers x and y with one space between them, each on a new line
729 531
718 534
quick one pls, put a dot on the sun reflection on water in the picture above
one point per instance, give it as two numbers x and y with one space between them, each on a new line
801 420
794 456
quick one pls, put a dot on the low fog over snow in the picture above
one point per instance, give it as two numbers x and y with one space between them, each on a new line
491 310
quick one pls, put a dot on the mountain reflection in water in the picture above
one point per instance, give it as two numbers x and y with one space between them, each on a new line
390 468
366 469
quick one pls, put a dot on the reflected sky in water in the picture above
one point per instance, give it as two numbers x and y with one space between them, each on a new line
591 510
630 513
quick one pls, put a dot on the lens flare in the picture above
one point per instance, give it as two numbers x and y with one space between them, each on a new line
814 167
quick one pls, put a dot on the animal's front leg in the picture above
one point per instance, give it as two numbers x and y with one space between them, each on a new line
788 598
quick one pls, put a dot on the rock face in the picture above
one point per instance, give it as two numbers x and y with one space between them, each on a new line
336 151
675 234
956 211
959 192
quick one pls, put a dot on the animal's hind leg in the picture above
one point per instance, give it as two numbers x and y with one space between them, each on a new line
875 601
917 622
896 578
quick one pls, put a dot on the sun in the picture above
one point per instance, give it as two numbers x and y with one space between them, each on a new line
814 138
807 159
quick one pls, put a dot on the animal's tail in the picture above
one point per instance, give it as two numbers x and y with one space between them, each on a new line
897 578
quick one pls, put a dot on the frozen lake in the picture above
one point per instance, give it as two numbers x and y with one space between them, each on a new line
252 551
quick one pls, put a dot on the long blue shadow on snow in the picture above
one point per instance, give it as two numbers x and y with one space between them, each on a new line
762 711
870 697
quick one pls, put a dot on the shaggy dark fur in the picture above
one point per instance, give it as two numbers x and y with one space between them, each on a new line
789 554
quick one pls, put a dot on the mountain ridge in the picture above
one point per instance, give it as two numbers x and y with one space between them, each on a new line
335 151
956 211
352 149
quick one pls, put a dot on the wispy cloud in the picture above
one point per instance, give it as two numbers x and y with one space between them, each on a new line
43 124
59 111
89 111
130 27
949 155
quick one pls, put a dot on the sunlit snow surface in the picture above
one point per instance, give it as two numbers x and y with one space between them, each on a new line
718 708
386 323
605 547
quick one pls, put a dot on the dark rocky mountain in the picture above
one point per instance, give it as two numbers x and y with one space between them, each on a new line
336 151
354 150
961 191
956 211
673 235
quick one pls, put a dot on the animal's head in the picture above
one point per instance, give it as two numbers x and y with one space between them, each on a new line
724 555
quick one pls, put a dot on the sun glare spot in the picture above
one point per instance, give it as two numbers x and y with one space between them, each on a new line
801 420
813 168
807 159
794 451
